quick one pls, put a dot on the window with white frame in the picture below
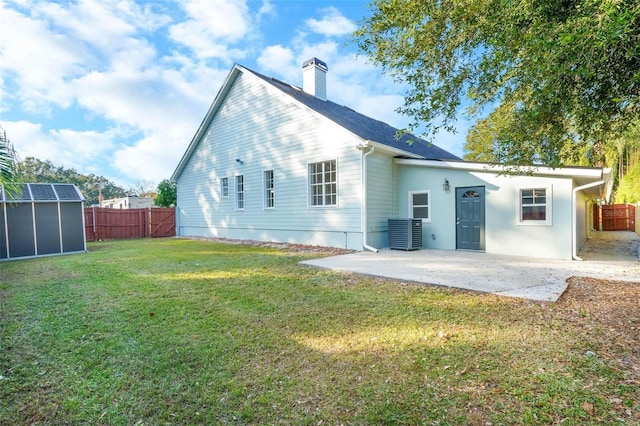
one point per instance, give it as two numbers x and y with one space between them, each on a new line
240 192
323 184
420 205
224 187
534 207
269 190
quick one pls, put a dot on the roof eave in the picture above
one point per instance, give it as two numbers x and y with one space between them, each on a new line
584 172
391 150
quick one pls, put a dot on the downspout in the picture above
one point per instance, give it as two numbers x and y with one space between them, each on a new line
574 236
363 181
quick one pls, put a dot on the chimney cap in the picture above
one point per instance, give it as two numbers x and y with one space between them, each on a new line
315 61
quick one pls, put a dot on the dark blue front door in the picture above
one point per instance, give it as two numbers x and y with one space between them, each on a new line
470 218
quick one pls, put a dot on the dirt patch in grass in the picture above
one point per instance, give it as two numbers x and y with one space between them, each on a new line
609 310
296 248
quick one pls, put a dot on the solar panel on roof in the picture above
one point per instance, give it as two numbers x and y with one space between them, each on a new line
67 192
43 192
22 194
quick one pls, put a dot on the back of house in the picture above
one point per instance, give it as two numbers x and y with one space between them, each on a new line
275 162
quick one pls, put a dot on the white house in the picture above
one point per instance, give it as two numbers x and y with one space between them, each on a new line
275 162
128 202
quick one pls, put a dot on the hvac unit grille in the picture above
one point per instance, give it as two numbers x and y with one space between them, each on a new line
405 234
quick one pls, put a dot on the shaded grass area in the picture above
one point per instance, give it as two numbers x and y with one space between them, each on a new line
178 331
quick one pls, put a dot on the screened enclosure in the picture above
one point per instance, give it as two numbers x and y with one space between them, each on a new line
41 219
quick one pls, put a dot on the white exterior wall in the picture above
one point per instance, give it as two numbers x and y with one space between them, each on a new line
266 130
503 235
583 219
128 203
380 202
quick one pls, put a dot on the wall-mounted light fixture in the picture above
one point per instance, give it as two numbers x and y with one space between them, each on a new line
445 185
239 161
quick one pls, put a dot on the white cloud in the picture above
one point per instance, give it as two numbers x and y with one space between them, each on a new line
88 55
332 23
153 158
94 23
267 9
276 59
212 26
84 151
45 52
38 61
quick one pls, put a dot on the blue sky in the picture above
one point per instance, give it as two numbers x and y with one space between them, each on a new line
118 88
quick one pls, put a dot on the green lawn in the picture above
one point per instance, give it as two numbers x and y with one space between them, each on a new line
176 331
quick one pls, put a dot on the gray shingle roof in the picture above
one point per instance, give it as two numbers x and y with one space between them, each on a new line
365 127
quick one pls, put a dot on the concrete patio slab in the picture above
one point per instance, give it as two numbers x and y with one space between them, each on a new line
531 278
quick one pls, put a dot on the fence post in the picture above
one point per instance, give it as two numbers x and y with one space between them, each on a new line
95 228
143 225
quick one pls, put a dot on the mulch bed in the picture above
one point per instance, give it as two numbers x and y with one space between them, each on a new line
299 248
610 310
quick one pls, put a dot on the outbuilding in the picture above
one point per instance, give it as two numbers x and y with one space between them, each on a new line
41 219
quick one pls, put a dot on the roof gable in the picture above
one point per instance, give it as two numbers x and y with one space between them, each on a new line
366 128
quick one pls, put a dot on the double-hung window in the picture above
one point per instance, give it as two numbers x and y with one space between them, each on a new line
534 206
269 190
224 187
420 205
240 192
323 184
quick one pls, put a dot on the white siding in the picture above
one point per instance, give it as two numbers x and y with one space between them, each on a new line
584 218
266 130
502 232
380 202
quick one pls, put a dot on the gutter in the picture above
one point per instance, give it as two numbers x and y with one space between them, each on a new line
363 181
574 241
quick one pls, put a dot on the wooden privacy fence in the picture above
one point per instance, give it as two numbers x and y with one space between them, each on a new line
614 217
111 224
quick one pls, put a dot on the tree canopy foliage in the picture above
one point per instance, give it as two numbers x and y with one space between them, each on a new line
34 170
624 152
561 77
167 194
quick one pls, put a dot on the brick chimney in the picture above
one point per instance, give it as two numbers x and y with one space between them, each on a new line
314 78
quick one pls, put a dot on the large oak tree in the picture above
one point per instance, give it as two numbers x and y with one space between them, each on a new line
558 75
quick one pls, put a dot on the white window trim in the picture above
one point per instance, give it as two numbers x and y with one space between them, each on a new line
222 187
429 205
324 206
549 206
235 191
264 189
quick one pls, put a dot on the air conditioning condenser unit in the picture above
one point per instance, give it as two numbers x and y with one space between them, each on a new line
405 234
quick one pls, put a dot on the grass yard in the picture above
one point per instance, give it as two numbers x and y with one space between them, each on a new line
177 331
